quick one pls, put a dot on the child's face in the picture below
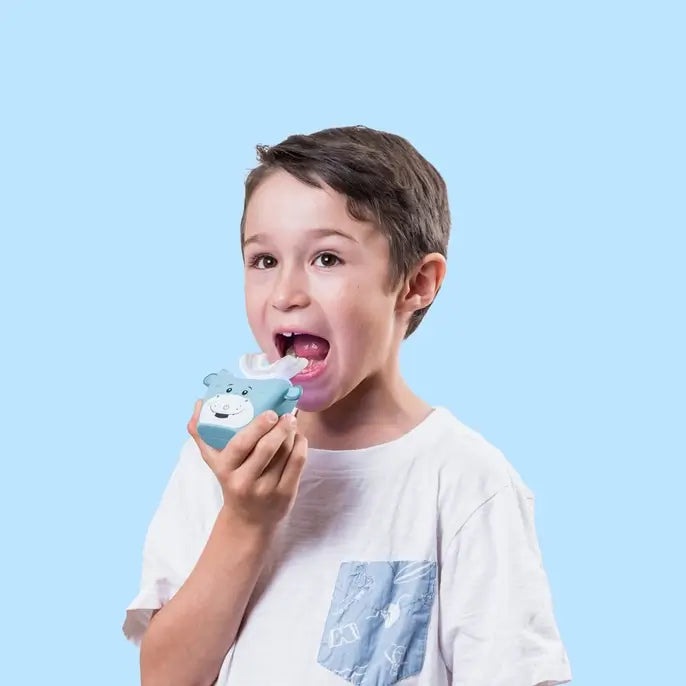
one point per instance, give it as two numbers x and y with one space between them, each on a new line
301 277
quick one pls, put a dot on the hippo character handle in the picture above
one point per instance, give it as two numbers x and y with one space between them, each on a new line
232 403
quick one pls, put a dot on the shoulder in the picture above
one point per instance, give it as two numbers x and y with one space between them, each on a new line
471 469
465 454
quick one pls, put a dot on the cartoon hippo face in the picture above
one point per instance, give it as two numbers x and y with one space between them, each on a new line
233 408
232 403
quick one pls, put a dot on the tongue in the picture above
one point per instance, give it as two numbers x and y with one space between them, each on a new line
311 347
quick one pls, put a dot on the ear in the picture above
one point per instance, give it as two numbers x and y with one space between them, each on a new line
422 284
209 378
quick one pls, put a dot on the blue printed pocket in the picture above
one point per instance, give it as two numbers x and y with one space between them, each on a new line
375 632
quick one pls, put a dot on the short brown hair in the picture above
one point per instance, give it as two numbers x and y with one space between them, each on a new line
385 180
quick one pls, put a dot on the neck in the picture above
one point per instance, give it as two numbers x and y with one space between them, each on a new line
381 409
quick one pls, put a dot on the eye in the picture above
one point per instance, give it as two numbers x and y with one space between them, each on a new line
263 261
229 389
327 259
244 393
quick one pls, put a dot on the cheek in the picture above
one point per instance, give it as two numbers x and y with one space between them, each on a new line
252 313
255 294
254 309
364 320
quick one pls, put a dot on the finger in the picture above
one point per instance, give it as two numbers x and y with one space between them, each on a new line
266 448
271 475
209 454
294 466
244 442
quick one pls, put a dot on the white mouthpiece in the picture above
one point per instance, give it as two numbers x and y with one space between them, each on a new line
257 366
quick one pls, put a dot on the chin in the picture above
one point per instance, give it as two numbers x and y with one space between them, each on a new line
314 400
318 398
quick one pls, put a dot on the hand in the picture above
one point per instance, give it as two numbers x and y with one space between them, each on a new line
259 469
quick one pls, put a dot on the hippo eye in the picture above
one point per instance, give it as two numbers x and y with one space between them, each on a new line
229 389
244 393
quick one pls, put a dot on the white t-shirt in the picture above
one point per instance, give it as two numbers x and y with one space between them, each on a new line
415 560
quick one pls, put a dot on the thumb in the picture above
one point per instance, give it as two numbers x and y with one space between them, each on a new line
209 454
192 425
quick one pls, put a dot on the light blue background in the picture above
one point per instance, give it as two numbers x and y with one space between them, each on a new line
126 130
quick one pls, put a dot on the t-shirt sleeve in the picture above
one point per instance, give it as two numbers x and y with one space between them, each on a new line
175 537
497 626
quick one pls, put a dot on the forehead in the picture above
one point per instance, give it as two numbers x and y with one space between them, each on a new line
282 204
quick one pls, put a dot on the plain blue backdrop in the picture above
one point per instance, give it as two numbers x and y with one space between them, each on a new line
126 131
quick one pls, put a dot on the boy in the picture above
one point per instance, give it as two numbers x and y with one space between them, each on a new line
373 538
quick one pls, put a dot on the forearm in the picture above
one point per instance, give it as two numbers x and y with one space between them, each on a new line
188 638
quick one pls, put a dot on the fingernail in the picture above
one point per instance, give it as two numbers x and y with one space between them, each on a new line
271 416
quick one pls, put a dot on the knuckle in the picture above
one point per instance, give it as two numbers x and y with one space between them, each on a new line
223 473
298 462
241 488
259 452
235 446
268 445
297 468
259 426
283 496
300 449
262 490
269 417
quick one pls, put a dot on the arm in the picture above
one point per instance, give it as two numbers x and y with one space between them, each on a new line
189 637
259 471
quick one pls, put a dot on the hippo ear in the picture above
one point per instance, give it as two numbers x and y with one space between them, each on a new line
209 378
293 393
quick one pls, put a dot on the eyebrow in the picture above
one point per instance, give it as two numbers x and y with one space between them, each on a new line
323 232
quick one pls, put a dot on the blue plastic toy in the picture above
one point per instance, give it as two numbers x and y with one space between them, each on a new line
232 402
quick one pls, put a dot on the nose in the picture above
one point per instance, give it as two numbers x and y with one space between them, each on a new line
290 290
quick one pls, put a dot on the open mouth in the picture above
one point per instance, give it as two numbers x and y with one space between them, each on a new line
313 348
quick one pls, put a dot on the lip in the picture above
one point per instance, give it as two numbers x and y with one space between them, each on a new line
319 367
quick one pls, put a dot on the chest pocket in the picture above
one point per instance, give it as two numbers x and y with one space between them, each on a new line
376 628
